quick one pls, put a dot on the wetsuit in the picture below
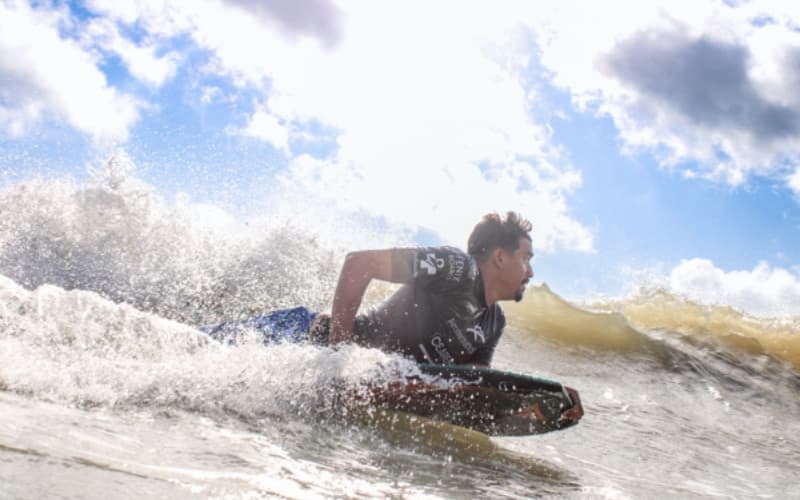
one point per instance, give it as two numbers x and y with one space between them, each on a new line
440 316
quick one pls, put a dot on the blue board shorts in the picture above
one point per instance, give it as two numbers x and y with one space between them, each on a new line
284 325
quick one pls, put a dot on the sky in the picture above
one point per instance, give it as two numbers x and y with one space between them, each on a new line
649 142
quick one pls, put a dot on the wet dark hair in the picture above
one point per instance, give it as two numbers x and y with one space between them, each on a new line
495 232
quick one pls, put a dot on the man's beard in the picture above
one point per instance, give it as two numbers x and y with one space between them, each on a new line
520 293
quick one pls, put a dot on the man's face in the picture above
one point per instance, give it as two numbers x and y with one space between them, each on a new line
517 269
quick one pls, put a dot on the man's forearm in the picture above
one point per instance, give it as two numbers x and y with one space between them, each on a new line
352 285
342 317
359 269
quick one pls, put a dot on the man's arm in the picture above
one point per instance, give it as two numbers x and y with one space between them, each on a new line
358 270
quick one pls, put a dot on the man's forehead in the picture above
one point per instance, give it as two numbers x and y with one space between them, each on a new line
525 245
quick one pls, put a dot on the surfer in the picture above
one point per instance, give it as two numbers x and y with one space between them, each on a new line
446 310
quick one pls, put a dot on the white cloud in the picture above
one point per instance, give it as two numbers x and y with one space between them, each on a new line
434 130
763 291
794 182
431 102
141 59
317 18
432 111
209 93
267 127
47 76
692 81
163 18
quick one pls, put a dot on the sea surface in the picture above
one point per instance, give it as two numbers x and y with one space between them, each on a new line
108 390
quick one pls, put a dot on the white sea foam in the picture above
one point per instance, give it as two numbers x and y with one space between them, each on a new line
116 237
80 348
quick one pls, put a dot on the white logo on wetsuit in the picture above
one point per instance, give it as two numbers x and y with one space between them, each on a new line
457 266
477 332
431 263
468 348
441 350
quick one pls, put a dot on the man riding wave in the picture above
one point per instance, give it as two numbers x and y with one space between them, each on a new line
446 310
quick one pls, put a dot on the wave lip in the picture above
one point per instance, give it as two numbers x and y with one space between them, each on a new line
724 325
676 332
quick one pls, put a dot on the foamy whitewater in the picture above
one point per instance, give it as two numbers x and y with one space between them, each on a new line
108 390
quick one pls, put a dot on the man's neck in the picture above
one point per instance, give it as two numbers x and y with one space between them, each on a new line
486 280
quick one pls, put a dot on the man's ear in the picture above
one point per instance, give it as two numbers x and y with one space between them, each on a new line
498 257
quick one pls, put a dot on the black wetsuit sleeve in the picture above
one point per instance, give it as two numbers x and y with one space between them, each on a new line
434 268
403 264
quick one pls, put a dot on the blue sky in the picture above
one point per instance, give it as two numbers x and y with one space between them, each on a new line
649 142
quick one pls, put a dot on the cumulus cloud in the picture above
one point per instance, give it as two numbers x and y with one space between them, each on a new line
794 181
142 59
708 86
267 127
434 104
162 18
763 291
47 76
321 19
430 114
704 80
429 131
433 131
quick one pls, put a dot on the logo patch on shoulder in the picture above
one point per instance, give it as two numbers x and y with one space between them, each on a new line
458 264
431 263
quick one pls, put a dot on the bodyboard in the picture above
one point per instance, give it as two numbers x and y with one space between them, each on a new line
494 402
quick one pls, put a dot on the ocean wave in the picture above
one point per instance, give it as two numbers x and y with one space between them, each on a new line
721 325
114 236
103 284
76 347
677 334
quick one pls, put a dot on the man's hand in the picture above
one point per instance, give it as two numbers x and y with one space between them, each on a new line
571 416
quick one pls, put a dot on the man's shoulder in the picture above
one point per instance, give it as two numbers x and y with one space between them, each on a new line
451 253
445 249
429 252
448 262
